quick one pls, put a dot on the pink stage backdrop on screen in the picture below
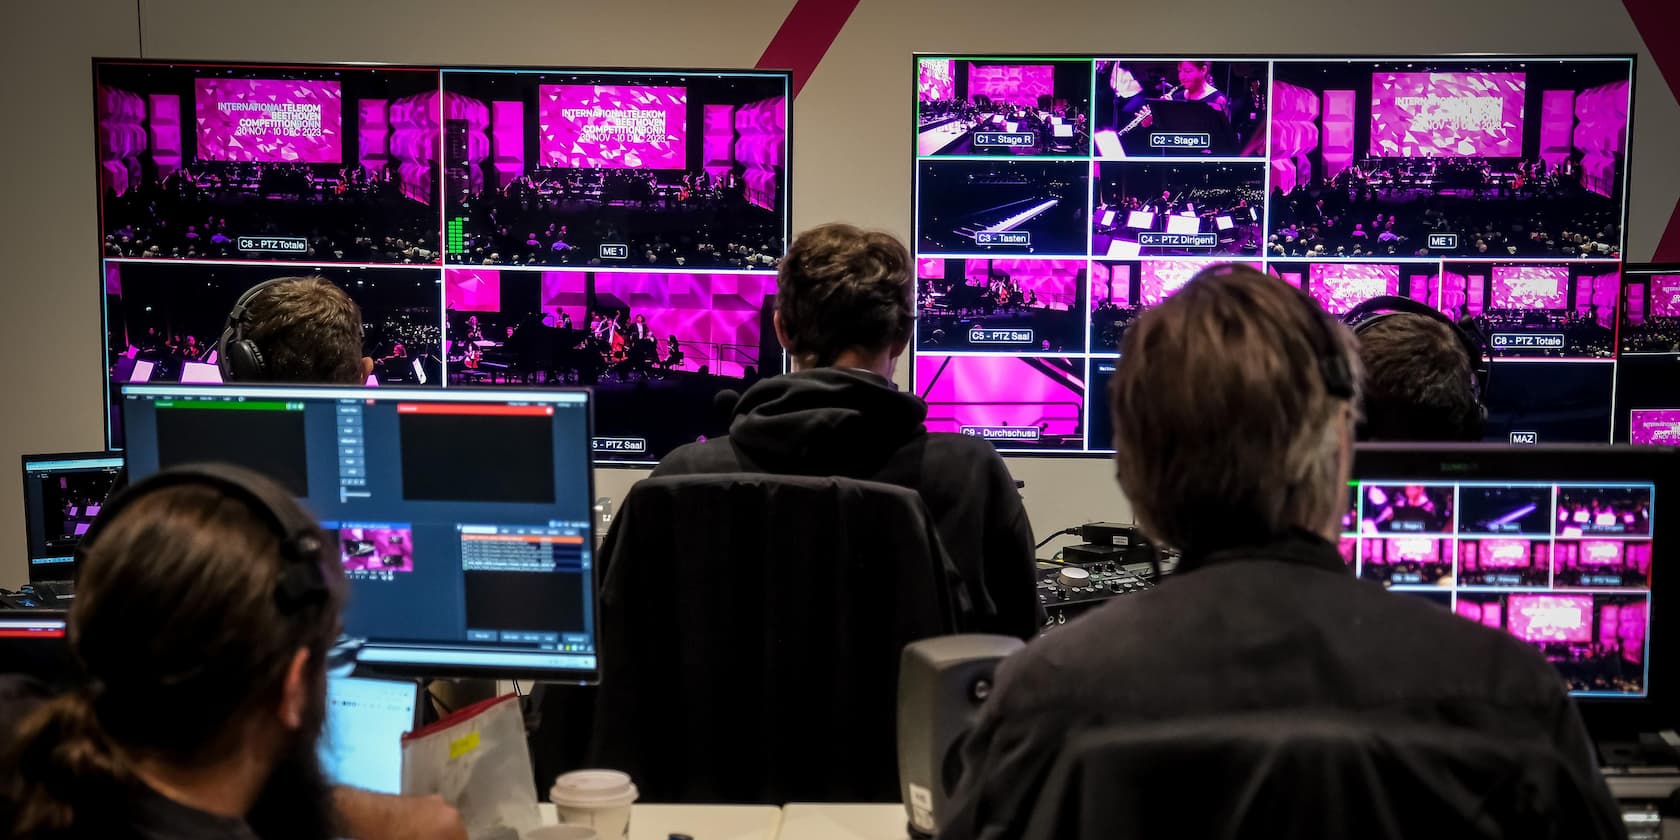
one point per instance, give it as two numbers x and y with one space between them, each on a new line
996 391
269 120
1017 84
612 126
935 81
1665 295
1447 114
1551 618
1158 279
472 290
1655 426
1111 284
1055 283
1504 554
715 316
1530 287
1340 287
930 268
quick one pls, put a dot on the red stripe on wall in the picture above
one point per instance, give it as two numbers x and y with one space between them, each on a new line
807 33
1657 21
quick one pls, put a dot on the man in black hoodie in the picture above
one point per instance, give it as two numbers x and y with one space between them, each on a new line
845 303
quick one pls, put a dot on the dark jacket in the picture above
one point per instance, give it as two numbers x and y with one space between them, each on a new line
1279 628
853 424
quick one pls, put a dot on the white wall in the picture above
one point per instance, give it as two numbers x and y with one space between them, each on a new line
851 130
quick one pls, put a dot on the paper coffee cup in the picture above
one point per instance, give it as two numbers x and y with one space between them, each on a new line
599 799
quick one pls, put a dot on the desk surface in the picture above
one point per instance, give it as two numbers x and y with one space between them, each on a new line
805 821
702 822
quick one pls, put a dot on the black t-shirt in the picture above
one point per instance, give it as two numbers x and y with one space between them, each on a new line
1279 628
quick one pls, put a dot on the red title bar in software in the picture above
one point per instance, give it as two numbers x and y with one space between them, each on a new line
469 410
54 633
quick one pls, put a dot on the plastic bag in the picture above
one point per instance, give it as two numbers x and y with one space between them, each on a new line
478 761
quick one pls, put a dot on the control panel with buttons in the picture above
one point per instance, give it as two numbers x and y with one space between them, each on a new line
1067 590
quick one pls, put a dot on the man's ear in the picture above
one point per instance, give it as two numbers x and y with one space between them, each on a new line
781 333
295 693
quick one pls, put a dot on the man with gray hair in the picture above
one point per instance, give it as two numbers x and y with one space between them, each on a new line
1234 405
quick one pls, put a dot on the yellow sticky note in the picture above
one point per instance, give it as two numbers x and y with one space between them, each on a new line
463 745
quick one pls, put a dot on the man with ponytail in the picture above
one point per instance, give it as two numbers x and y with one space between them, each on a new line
206 604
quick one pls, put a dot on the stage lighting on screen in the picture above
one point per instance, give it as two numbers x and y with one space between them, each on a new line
1489 188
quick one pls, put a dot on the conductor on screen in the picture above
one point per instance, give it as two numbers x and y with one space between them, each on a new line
1264 616
845 304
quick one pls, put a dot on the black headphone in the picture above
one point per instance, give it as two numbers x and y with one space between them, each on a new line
239 357
1378 309
302 581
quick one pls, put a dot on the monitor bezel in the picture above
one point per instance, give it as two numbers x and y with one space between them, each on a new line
1658 465
470 395
912 351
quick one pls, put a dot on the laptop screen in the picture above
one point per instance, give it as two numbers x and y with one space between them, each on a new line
366 719
61 496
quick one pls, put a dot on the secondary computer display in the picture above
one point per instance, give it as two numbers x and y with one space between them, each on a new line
1058 197
535 227
62 494
1648 371
462 518
1566 567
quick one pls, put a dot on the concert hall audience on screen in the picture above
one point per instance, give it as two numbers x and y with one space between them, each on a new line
347 214
1262 606
1378 210
844 309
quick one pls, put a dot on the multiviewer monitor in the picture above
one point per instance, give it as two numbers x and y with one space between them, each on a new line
1648 368
1563 547
1490 188
462 517
604 227
62 493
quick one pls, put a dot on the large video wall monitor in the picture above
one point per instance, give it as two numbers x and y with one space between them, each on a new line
1648 368
613 228
1058 197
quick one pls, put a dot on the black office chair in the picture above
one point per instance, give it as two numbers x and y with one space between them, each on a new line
1308 775
751 627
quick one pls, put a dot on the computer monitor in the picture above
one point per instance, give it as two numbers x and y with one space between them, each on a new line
1491 188
34 643
463 517
361 746
62 493
1556 545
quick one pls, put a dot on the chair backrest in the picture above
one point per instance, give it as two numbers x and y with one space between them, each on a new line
751 627
1312 774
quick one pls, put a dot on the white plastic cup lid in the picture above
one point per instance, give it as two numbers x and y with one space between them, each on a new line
593 789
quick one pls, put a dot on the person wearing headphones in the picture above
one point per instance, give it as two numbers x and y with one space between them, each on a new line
1234 405
206 605
307 331
298 330
845 305
1423 373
